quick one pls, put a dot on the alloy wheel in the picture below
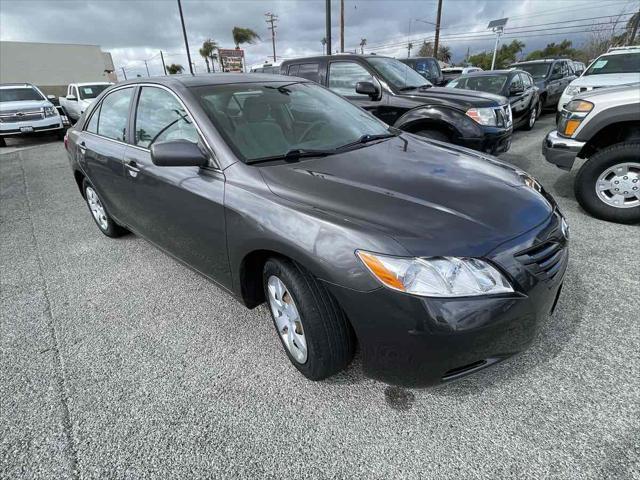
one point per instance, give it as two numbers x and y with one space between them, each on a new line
533 116
619 186
287 319
95 205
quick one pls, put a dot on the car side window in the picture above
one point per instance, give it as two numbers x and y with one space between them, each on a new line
557 68
74 92
293 70
343 77
526 80
161 117
92 126
114 114
309 71
516 83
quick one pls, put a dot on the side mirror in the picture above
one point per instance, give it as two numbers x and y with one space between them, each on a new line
515 89
51 97
177 153
579 72
367 88
71 98
556 76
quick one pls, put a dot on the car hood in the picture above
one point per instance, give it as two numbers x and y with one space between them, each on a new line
606 80
456 97
24 105
432 198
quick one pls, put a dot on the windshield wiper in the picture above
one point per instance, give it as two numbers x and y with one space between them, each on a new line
366 138
410 87
293 155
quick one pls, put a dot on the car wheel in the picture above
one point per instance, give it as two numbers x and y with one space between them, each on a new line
608 184
313 329
434 135
531 121
3 142
105 223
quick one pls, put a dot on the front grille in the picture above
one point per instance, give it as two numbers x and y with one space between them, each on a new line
544 260
503 116
21 116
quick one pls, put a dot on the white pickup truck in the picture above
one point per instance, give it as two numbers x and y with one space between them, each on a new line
25 110
79 97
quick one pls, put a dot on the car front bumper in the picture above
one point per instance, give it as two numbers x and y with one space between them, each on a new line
560 151
495 141
31 127
417 342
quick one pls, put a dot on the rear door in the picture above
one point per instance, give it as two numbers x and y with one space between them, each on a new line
101 148
180 209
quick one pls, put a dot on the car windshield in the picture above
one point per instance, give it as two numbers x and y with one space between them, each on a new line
480 83
19 94
536 70
399 75
620 63
272 119
91 91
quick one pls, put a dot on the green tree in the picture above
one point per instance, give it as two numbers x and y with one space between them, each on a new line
506 55
244 35
562 49
174 68
208 52
444 52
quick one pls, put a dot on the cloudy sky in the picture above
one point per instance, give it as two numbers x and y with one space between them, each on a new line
135 30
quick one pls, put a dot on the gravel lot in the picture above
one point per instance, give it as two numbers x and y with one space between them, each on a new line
117 362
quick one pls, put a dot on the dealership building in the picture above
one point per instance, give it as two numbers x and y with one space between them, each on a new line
52 66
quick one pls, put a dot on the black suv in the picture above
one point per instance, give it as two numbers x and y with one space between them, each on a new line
428 67
401 97
551 77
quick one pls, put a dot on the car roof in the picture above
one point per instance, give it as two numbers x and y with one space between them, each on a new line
205 79
340 56
622 50
479 73
16 85
542 60
91 83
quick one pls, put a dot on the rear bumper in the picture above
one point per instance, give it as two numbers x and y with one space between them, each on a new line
560 151
417 342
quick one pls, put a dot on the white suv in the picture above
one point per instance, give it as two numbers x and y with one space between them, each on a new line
24 110
619 66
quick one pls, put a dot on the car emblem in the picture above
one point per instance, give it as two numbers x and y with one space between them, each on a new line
19 114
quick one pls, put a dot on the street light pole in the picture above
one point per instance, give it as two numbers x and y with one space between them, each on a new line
184 33
437 40
124 74
164 67
147 67
341 26
328 25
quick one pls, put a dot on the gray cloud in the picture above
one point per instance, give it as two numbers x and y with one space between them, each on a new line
137 29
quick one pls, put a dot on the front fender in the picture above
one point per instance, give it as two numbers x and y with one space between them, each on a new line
430 116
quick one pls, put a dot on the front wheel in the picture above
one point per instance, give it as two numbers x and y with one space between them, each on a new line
3 142
434 135
533 116
313 329
105 223
608 184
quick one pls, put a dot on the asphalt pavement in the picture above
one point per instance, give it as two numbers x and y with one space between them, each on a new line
118 362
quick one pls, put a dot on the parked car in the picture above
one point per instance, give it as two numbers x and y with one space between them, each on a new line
25 110
400 97
437 261
428 67
267 67
578 67
551 77
516 85
79 97
603 127
619 66
451 73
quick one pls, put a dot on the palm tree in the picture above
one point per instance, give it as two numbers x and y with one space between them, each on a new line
363 42
244 35
208 52
174 68
444 53
323 42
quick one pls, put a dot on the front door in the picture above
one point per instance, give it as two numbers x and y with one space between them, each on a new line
180 209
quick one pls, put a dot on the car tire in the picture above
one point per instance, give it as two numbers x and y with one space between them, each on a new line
599 170
531 120
105 223
434 135
3 142
321 341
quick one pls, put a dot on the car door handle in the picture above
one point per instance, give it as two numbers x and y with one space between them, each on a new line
82 147
132 168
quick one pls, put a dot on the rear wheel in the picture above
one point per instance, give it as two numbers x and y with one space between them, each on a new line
313 329
608 184
3 142
105 223
533 116
434 135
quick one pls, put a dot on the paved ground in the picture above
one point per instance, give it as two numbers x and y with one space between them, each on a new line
117 362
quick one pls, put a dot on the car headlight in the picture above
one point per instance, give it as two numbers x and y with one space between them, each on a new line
572 116
50 111
572 90
529 181
483 116
436 276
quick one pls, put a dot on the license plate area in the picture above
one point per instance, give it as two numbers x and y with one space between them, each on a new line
26 129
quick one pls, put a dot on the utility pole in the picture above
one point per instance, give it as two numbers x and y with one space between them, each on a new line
124 73
328 25
184 33
341 26
437 40
164 67
147 67
272 19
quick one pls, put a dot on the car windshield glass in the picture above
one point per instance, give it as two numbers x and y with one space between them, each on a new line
271 119
398 74
536 70
480 83
620 63
91 91
19 94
